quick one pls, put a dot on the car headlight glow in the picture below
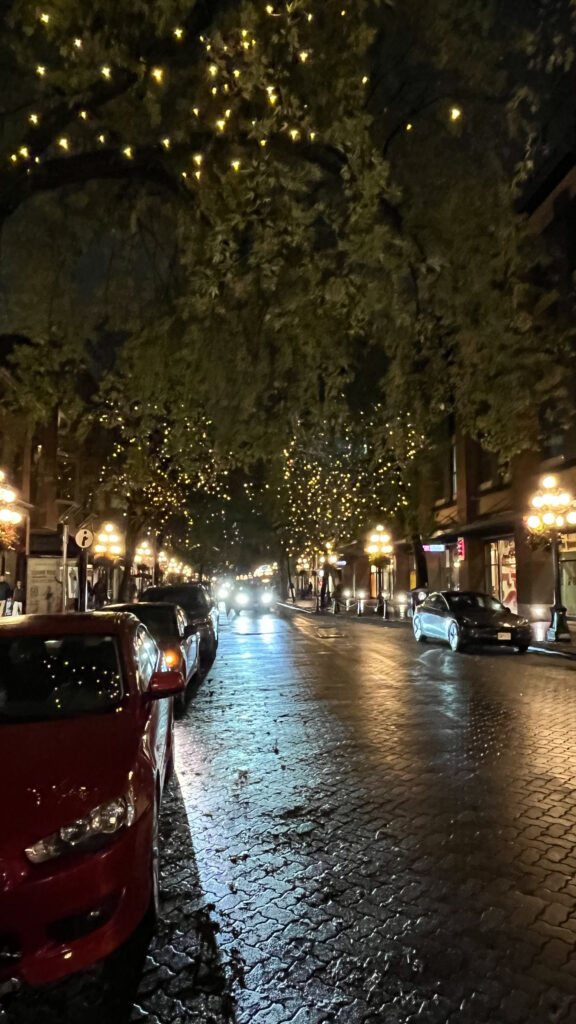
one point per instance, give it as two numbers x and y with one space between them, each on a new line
104 820
242 598
223 592
266 598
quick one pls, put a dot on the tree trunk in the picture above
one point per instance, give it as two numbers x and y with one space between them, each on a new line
420 562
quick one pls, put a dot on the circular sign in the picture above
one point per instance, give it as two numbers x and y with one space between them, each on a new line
84 538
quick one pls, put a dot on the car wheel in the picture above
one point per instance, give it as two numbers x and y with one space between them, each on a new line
180 704
454 638
522 648
419 636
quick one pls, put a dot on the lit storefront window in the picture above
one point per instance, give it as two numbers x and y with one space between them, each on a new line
568 572
501 572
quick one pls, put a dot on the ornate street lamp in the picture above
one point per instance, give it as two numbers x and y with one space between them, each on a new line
379 549
553 509
109 547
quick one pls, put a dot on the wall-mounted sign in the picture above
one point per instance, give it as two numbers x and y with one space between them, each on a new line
434 547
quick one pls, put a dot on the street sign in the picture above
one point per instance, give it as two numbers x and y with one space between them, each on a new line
84 538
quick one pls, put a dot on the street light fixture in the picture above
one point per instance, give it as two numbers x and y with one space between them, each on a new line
379 546
553 509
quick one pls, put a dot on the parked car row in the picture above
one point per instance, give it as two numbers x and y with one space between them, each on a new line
86 734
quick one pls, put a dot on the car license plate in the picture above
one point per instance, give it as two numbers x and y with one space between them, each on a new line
503 636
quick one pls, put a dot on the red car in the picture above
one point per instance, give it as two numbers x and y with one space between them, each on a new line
85 748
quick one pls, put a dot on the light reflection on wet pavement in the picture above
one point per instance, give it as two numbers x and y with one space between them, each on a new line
366 830
385 831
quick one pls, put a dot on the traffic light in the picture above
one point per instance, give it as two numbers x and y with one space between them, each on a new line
461 548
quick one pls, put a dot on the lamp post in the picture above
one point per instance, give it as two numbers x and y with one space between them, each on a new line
9 517
379 548
552 509
109 547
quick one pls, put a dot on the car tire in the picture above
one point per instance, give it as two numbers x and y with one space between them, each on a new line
180 704
419 636
522 648
454 637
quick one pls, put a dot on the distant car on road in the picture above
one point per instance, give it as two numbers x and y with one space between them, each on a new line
201 610
251 595
86 747
463 617
177 638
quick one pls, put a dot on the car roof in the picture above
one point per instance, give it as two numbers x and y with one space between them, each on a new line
133 606
70 622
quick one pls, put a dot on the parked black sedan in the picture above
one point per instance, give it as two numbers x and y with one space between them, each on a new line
201 610
177 639
463 617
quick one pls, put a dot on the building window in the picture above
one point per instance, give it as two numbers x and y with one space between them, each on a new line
501 572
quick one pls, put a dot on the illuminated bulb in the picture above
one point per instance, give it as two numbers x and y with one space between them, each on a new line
263 142
221 125
236 73
564 498
178 33
13 158
227 113
198 159
548 482
23 150
312 136
537 501
408 127
294 134
571 517
213 69
128 152
40 70
63 143
83 114
272 97
166 143
78 43
157 74
195 111
365 80
197 175
235 164
102 138
269 9
105 71
33 118
45 18
559 520
303 55
548 518
455 113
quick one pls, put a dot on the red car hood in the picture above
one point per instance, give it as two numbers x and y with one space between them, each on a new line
54 772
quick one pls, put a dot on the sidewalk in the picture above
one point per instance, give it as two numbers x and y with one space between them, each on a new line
539 643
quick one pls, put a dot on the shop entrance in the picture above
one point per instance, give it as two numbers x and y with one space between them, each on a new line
501 572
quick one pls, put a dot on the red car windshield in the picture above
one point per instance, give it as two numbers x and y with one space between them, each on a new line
43 677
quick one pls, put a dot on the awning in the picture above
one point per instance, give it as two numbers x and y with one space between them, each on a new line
497 527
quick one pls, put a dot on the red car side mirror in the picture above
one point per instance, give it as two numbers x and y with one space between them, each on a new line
166 684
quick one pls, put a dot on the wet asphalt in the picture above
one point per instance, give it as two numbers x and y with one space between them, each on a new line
360 830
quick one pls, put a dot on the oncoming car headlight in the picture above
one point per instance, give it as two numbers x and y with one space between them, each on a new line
104 820
266 598
242 598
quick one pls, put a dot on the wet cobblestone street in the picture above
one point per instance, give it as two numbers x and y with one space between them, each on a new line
364 830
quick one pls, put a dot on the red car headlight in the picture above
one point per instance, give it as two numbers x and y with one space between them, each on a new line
105 820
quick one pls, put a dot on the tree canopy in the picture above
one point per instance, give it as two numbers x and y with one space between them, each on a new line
272 202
